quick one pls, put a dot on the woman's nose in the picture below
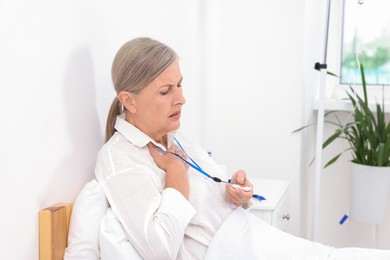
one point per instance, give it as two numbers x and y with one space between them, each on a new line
180 99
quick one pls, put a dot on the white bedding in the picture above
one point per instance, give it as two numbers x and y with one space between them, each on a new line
244 236
95 230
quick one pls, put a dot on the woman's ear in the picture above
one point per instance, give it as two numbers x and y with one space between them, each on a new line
128 101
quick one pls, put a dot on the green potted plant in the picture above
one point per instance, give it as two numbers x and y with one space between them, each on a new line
368 134
368 138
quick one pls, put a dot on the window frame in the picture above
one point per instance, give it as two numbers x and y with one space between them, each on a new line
335 90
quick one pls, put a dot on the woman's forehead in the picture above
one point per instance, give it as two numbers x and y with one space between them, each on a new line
171 75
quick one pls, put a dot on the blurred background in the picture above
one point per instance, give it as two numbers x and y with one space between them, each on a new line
248 79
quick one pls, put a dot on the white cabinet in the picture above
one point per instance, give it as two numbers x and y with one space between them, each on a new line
275 209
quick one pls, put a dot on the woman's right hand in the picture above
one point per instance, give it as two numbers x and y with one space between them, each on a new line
175 168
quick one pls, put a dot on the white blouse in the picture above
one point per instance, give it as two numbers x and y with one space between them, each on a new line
160 223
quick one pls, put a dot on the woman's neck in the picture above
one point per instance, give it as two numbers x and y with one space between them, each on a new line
158 139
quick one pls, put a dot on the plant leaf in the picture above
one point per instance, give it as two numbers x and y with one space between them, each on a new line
303 127
333 160
381 153
332 138
364 83
368 134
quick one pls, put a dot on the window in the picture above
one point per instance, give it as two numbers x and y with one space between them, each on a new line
365 39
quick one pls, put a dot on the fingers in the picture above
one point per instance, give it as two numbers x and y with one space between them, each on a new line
234 193
239 177
165 159
155 150
183 156
238 195
176 150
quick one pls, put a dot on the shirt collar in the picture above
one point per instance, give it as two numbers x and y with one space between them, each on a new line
136 136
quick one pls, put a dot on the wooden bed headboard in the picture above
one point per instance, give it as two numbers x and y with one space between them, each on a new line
53 231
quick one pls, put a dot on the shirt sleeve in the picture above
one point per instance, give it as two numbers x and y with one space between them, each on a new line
154 221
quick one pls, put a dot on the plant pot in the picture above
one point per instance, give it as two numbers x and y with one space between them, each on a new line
369 193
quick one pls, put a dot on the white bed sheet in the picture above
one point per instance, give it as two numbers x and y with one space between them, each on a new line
244 236
241 236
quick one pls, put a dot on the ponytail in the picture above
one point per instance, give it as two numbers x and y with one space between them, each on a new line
115 110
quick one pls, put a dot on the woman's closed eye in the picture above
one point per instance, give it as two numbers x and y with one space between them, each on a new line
168 89
165 90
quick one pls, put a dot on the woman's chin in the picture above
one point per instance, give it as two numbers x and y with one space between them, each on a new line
175 126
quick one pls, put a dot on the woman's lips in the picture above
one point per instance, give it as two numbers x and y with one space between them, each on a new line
175 115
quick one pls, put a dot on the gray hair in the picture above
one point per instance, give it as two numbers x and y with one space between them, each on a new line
136 64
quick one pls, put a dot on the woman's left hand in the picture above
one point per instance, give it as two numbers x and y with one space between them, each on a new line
237 195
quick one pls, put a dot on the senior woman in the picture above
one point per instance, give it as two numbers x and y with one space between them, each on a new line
168 209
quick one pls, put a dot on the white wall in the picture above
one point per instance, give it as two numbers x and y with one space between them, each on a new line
55 89
254 94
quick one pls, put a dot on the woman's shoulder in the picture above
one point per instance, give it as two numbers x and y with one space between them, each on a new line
116 143
119 153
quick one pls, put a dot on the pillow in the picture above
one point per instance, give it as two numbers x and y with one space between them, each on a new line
113 240
87 214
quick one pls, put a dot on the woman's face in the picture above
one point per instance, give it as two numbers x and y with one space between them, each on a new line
157 107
